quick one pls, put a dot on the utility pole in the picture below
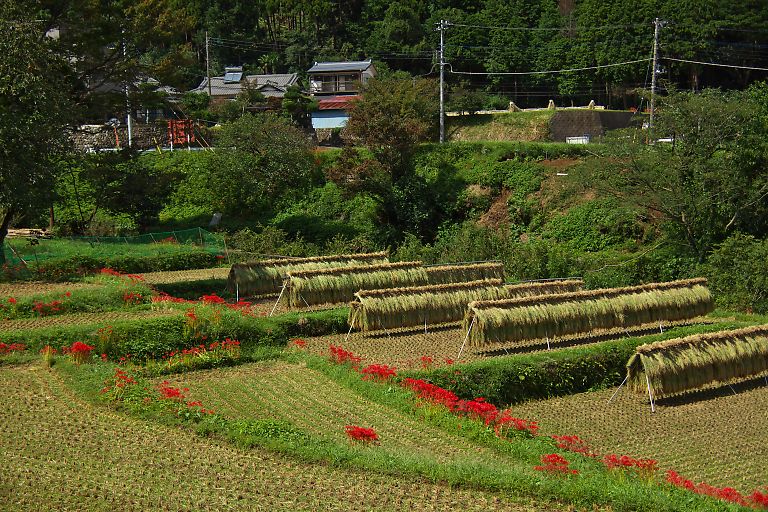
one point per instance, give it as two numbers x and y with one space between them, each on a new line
207 64
657 26
127 99
441 27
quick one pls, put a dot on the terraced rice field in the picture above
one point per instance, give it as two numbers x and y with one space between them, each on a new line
60 453
178 276
97 318
716 435
22 289
313 402
404 348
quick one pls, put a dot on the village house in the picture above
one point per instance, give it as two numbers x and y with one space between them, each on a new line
234 81
336 85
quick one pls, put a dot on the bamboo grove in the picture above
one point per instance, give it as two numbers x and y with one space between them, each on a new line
685 364
550 316
434 304
266 276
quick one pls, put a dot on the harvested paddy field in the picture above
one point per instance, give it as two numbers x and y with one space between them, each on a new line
61 453
718 435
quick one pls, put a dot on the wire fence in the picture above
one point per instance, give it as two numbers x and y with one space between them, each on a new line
23 252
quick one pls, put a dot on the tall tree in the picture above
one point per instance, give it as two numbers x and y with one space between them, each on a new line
710 181
34 110
393 116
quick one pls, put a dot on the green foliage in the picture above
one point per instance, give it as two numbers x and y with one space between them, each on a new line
34 109
392 117
737 273
705 185
55 269
594 225
262 162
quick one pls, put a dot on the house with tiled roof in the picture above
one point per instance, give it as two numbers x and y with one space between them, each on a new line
227 87
335 86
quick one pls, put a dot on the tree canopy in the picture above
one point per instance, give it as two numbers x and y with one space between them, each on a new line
34 110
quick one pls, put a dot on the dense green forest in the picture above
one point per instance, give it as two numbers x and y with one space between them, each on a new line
167 39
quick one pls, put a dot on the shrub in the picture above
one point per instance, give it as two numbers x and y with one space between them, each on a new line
738 274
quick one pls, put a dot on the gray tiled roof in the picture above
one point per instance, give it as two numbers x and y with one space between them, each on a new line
322 67
221 88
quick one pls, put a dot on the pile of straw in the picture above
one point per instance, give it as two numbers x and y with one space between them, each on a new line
336 285
465 272
266 276
564 314
684 364
433 304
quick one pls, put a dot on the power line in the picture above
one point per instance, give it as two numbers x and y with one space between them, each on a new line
715 64
541 29
546 72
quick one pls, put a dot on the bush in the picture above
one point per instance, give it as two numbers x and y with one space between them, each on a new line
56 269
738 275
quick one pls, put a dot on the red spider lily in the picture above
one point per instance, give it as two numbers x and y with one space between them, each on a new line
555 464
110 272
361 434
11 300
613 461
298 343
426 362
104 357
12 347
759 499
449 361
48 351
68 294
724 493
79 351
168 392
132 298
212 299
379 372
45 309
117 383
574 444
341 356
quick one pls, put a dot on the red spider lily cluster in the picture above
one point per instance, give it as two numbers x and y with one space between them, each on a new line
378 372
574 444
501 421
361 434
555 464
646 466
298 343
212 299
227 346
79 352
12 347
117 384
47 308
133 298
115 273
48 351
757 499
426 362
178 395
12 301
341 356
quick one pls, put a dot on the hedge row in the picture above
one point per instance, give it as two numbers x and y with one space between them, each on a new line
515 379
57 269
150 338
